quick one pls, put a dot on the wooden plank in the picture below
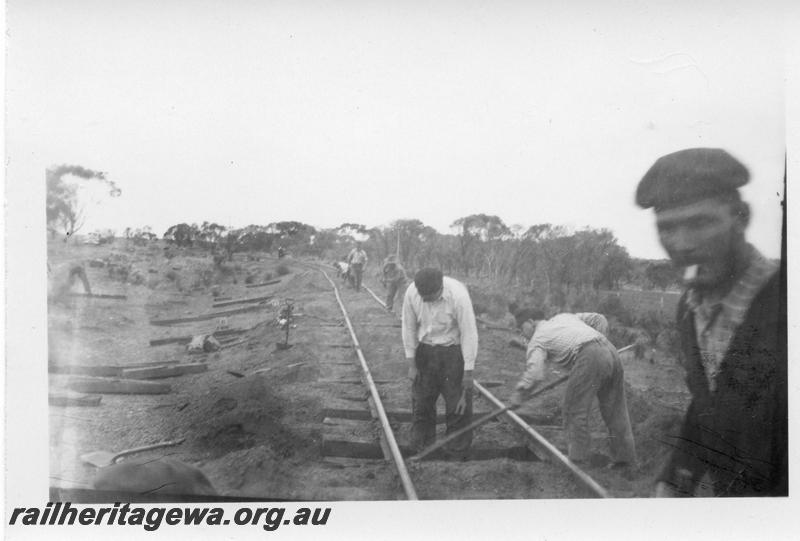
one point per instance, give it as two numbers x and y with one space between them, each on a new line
104 370
262 284
351 439
187 339
341 411
149 363
70 398
211 315
358 381
228 345
343 462
356 414
168 371
100 296
82 370
242 301
117 386
354 381
357 439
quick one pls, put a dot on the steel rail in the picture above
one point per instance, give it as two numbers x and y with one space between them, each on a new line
394 449
582 476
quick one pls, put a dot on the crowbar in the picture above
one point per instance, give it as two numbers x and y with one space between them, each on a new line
483 420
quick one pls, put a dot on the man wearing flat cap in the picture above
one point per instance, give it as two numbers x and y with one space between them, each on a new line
440 337
732 325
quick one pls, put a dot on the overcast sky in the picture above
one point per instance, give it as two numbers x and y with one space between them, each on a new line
246 112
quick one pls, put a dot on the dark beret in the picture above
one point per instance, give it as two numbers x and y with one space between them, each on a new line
428 281
690 175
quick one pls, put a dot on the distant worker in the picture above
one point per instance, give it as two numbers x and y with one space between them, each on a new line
577 343
61 279
394 278
440 337
357 260
732 326
281 252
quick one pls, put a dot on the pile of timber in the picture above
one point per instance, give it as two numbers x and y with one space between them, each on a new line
114 379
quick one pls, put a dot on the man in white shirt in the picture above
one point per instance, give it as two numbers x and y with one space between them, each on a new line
357 260
575 342
440 337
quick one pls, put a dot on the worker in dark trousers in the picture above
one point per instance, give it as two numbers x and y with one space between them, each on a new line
357 260
394 278
440 337
577 343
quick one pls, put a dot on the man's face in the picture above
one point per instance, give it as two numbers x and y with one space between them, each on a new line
433 297
529 328
703 233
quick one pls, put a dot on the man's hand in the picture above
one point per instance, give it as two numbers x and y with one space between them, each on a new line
466 389
412 369
461 406
518 397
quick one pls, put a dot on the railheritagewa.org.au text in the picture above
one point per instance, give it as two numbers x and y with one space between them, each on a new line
152 518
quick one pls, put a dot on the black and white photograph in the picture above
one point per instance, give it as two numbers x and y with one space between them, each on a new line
299 265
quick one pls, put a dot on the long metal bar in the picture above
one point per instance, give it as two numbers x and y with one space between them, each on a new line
483 420
582 476
394 449
374 295
453 435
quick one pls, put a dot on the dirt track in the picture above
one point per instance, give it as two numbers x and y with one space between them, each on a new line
261 435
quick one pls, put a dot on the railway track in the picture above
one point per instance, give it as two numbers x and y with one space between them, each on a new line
339 424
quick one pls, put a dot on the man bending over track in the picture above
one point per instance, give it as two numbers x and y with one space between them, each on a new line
393 278
441 343
576 342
